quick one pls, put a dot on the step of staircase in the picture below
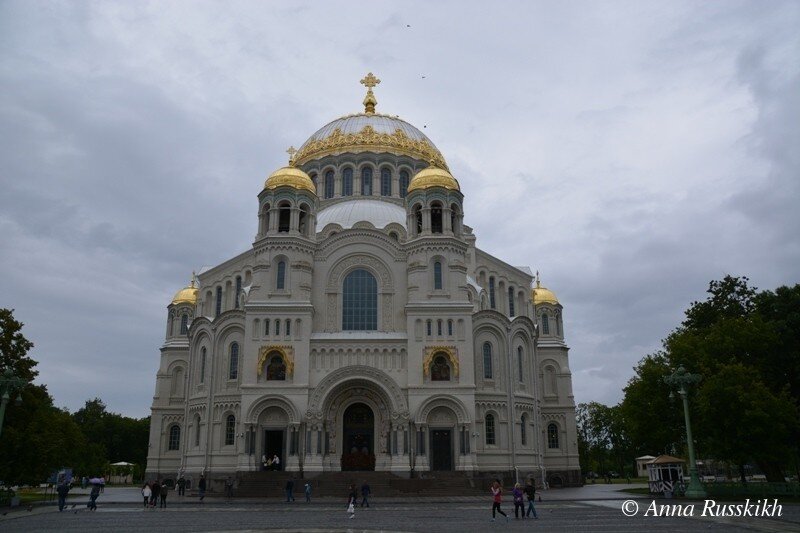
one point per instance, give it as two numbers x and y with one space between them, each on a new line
272 484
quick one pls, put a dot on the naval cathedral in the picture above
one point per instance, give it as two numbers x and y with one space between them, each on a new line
364 330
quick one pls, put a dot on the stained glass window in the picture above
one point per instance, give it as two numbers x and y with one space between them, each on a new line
174 438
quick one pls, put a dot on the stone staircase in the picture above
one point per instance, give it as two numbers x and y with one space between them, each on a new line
382 484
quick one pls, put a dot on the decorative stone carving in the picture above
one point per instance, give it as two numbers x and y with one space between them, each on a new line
337 377
372 263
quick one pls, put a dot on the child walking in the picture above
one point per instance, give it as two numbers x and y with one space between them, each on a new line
497 499
519 506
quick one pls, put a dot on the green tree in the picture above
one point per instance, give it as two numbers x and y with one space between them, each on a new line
746 345
14 347
652 422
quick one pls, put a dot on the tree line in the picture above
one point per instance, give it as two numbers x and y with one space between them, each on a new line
745 344
38 438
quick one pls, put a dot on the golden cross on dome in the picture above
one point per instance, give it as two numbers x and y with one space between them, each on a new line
370 81
194 276
291 151
370 102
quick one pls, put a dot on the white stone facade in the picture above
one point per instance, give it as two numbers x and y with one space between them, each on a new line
278 310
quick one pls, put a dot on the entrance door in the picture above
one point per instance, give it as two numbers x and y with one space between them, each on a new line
358 450
441 449
273 445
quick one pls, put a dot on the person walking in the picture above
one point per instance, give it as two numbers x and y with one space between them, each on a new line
365 492
519 505
92 505
307 490
530 492
352 499
497 499
146 493
156 491
201 488
229 488
163 494
63 490
290 490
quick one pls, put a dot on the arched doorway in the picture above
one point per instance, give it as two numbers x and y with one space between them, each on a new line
358 438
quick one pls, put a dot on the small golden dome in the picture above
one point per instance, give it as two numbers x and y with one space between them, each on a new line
187 295
542 295
291 177
433 177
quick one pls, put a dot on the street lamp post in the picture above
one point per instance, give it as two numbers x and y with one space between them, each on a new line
681 379
9 384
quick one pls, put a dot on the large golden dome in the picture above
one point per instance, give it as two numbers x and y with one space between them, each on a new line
433 177
291 177
543 295
187 295
369 132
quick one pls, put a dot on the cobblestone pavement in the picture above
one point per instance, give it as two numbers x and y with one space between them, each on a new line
456 516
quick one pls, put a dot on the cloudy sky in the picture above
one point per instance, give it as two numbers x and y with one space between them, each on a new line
630 151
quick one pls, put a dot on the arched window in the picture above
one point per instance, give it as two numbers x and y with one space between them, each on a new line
491 292
487 360
450 328
403 183
360 302
315 181
277 327
545 324
490 440
454 218
280 277
233 368
177 382
549 381
386 182
522 434
266 218
437 275
329 184
436 218
439 327
230 430
171 322
552 436
347 182
558 324
238 291
184 324
174 438
284 217
276 369
203 365
366 181
429 328
196 431
520 357
511 301
288 327
219 301
266 327
303 220
440 370
418 218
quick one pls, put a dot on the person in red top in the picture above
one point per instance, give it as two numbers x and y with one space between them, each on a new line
497 495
